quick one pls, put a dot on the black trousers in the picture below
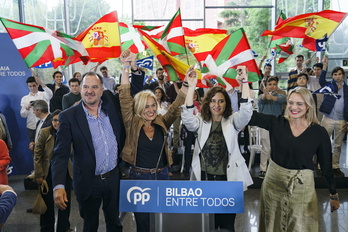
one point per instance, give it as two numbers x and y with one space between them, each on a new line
223 221
106 193
47 219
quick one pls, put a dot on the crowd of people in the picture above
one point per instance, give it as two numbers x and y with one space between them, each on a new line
82 136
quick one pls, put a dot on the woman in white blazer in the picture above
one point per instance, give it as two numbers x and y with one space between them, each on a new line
216 155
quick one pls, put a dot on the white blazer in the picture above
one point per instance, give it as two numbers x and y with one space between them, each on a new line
237 169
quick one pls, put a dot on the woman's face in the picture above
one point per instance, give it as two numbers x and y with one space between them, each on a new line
217 106
297 107
158 94
55 122
150 111
195 97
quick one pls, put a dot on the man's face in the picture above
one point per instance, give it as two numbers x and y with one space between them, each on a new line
160 75
37 112
33 87
302 81
104 72
267 70
75 88
317 71
338 76
58 78
271 86
92 90
299 62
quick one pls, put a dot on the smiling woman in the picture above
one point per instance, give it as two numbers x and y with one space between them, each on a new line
146 148
295 138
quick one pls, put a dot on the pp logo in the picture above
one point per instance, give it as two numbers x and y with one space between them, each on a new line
139 195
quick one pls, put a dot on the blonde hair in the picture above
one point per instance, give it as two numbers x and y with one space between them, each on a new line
311 114
140 100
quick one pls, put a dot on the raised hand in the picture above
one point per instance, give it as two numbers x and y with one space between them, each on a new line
242 74
191 77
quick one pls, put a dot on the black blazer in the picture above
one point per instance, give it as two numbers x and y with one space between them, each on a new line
74 129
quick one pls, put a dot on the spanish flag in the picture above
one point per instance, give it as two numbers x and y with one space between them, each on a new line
202 40
312 25
102 39
174 67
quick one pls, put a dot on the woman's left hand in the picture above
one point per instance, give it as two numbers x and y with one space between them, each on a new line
335 204
127 57
242 74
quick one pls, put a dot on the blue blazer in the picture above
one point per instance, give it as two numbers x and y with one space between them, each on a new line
7 201
74 129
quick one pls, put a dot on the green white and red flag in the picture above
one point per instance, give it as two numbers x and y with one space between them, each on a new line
38 45
232 51
172 38
131 39
284 51
276 39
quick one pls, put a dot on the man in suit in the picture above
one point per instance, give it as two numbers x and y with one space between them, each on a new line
95 129
8 200
161 82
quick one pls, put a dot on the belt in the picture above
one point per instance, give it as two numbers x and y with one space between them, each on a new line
106 174
148 170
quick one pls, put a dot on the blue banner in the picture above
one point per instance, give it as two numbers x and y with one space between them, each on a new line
45 65
181 196
146 62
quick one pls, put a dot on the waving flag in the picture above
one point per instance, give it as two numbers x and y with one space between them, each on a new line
231 52
201 41
309 26
328 90
146 62
130 39
38 45
102 39
173 67
284 51
172 37
154 31
276 40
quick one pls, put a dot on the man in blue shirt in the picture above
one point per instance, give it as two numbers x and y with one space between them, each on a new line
95 129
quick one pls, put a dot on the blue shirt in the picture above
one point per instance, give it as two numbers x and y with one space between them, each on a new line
104 141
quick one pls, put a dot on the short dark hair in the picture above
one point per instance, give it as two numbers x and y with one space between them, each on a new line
272 78
336 69
268 64
318 65
30 79
303 74
159 69
56 72
41 105
91 73
56 112
74 80
299 56
103 68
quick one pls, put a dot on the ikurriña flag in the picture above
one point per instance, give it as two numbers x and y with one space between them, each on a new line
172 38
102 38
38 45
229 53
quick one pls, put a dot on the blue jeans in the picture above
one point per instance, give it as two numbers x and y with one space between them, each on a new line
143 219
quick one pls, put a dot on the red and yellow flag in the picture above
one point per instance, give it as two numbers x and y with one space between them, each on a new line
102 39
314 25
201 41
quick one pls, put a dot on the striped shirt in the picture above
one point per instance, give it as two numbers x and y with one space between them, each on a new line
104 141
